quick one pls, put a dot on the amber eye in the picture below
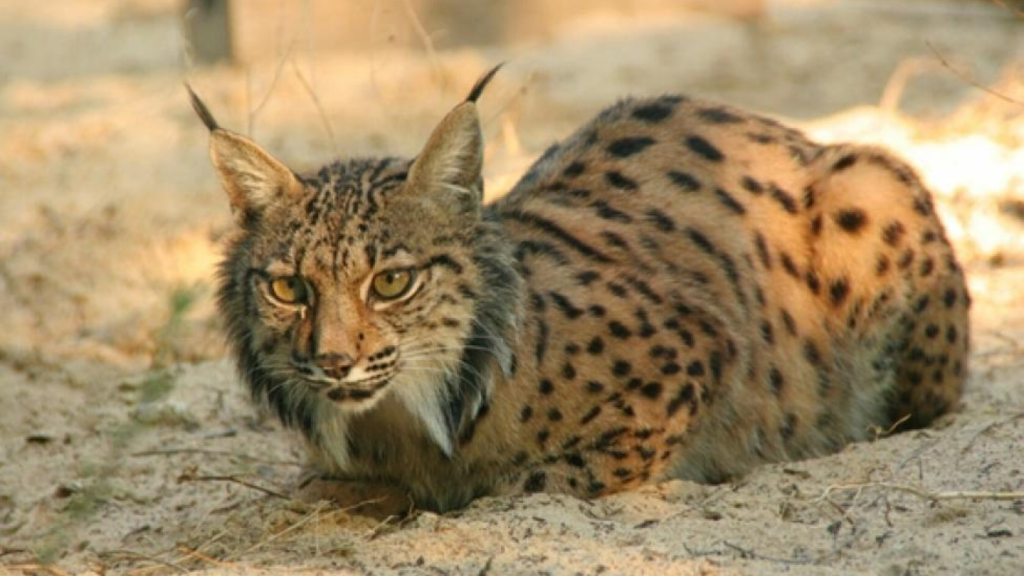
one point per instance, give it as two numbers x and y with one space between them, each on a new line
392 283
289 289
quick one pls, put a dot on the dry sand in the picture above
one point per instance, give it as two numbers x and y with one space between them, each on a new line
127 446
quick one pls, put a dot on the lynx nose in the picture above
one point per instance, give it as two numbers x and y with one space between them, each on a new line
335 365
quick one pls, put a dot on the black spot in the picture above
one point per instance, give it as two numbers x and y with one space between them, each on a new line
810 196
767 333
811 353
660 220
619 330
715 362
594 387
893 232
625 147
568 371
788 426
554 415
535 482
927 265
812 281
704 149
851 219
617 180
685 395
701 241
906 259
596 345
543 435
949 297
526 413
760 138
729 202
574 169
838 290
788 321
683 180
652 113
921 304
695 368
572 348
571 312
931 331
670 369
546 386
719 116
789 265
882 265
951 334
776 379
762 251
752 186
617 289
923 205
844 163
621 368
590 415
651 390
575 460
816 223
606 211
586 277
785 199
596 310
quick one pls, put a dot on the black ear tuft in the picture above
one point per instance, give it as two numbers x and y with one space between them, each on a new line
201 110
480 84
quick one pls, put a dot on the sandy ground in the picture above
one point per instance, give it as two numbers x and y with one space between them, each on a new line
127 446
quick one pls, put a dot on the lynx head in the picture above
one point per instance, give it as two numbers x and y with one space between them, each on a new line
366 278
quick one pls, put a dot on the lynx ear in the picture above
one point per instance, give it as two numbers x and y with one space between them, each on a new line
454 155
252 178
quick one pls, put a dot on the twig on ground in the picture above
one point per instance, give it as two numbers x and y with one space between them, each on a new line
140 556
751 555
172 451
39 568
195 553
188 476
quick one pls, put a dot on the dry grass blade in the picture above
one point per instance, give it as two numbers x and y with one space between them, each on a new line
968 79
924 493
190 477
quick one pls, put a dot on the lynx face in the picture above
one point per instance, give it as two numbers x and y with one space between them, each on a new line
348 295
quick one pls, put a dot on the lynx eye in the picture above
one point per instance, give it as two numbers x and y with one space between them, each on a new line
392 284
288 290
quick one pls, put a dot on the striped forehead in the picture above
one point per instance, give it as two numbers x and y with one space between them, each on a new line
339 222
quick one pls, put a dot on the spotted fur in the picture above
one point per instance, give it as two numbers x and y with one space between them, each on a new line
679 289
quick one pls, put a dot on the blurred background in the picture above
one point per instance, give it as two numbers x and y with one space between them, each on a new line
111 219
